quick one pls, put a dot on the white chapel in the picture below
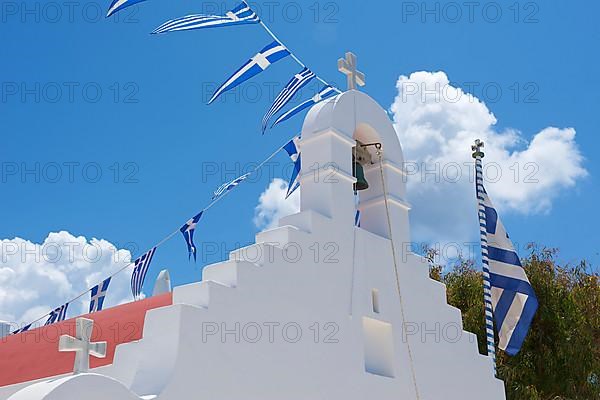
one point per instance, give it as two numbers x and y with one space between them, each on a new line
316 309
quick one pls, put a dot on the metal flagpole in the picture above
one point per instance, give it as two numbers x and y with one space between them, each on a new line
487 287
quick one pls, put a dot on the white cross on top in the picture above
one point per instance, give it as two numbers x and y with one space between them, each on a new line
82 345
348 67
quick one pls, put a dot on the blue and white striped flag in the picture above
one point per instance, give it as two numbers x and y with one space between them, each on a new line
257 64
139 272
292 149
324 93
58 315
294 182
513 299
240 15
226 187
23 329
98 294
188 234
118 5
299 80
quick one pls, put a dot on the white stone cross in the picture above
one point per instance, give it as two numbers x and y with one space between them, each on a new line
348 67
82 345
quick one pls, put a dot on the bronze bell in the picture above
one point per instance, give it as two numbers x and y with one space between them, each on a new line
359 173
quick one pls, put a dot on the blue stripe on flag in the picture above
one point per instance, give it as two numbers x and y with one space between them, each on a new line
512 284
503 305
503 256
491 219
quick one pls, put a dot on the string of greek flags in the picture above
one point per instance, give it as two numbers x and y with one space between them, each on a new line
142 263
273 52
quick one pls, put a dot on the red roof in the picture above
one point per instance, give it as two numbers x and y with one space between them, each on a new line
34 355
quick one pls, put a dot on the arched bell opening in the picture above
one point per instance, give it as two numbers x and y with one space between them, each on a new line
366 157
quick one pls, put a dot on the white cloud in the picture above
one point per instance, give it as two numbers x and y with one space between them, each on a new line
37 277
437 123
272 204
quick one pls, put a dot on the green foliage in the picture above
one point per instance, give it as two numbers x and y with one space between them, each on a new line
560 359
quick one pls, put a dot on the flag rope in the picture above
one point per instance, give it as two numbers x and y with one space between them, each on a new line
393 246
167 238
487 286
352 283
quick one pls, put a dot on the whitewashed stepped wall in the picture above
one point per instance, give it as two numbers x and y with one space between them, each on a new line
276 291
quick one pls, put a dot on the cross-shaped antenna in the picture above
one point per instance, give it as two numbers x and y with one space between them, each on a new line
477 153
82 345
348 67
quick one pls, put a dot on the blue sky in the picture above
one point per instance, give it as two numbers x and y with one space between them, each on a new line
153 139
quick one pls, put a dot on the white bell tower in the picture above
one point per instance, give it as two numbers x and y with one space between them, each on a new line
331 131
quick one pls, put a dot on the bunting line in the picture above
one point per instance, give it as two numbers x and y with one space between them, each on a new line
29 326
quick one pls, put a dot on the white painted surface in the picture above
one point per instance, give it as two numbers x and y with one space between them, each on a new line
163 283
84 386
292 317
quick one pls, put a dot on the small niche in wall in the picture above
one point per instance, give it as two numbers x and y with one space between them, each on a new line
375 300
379 347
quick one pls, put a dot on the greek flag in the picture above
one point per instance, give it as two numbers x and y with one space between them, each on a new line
324 93
257 64
513 298
98 294
57 315
357 219
118 5
23 329
287 93
226 187
188 234
292 149
240 15
139 272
